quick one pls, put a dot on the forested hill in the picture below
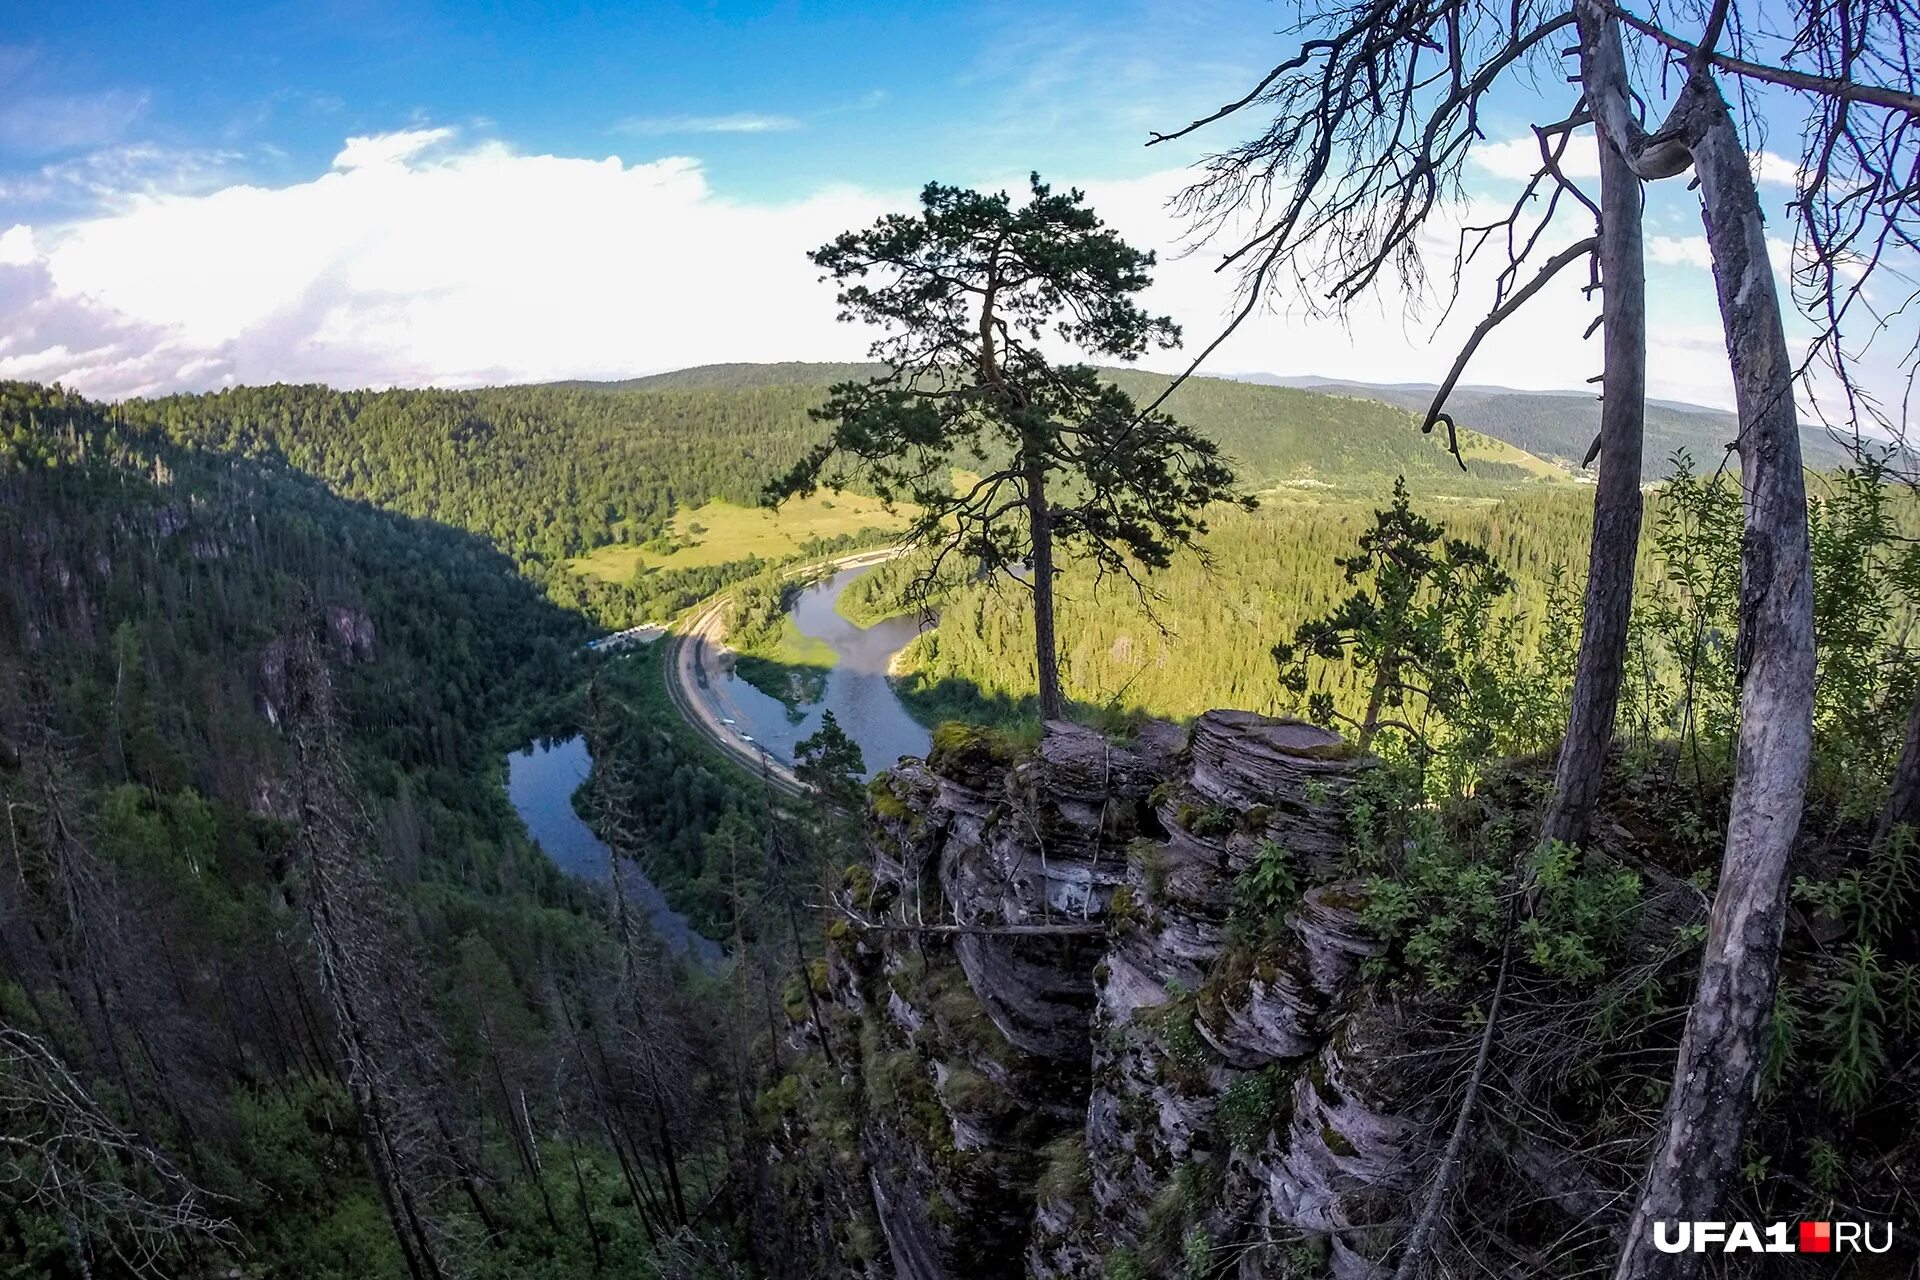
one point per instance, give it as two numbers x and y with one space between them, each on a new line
1276 434
275 950
550 473
155 605
541 472
1561 425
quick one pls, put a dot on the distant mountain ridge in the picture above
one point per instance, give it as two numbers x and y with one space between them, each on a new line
1561 425
734 376
1554 427
1315 382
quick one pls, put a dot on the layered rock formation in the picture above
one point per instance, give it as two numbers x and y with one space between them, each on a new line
1080 1053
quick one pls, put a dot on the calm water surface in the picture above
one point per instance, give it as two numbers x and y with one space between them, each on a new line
541 781
857 691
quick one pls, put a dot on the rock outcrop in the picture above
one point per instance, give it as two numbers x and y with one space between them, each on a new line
1077 1056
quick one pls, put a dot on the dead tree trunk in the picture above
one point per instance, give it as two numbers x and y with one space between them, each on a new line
347 915
1720 1054
1616 500
1903 796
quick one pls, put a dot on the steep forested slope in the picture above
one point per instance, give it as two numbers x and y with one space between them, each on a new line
278 964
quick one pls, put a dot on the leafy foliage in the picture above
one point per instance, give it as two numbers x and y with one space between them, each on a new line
1415 631
1263 894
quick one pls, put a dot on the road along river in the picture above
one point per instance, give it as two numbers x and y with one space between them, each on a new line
745 721
542 778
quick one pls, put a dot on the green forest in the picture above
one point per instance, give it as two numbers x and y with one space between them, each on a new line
1238 824
547 474
206 660
246 633
1200 637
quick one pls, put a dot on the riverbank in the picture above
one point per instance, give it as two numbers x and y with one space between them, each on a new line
541 780
691 669
739 720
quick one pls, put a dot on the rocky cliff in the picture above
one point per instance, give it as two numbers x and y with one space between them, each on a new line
1205 1002
1065 1049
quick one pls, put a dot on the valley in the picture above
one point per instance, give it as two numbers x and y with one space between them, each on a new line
175 546
508 774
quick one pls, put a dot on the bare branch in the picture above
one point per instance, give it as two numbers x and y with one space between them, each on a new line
1825 86
1552 267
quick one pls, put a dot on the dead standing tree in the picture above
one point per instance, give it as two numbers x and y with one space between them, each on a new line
1718 1067
1372 121
642 1087
117 1196
66 914
386 1052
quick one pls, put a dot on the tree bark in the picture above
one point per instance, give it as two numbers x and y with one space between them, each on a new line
1722 1049
1903 797
1616 498
1370 719
1046 652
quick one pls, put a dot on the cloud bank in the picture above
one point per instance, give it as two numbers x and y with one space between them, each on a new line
413 261
422 258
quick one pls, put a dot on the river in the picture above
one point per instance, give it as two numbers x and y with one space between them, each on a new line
541 781
857 691
542 778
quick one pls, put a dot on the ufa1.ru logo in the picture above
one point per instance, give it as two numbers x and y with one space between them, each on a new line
1774 1237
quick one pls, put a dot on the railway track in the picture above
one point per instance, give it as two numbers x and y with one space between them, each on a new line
692 663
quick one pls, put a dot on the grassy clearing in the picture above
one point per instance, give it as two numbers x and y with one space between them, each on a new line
722 533
1479 448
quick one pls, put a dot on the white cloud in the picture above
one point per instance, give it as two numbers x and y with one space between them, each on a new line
1679 251
736 122
388 148
17 248
1692 251
1774 168
1517 159
48 336
420 259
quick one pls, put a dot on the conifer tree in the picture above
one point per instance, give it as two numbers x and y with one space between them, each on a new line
1003 454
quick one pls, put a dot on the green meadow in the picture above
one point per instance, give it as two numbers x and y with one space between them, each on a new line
721 532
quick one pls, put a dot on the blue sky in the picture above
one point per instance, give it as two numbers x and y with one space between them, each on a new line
775 97
404 193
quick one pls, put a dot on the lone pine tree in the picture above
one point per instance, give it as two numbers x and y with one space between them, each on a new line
1003 454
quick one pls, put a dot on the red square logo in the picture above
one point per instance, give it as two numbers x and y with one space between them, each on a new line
1816 1237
